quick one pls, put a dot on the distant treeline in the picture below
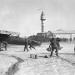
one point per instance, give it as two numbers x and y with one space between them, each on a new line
16 40
35 40
45 39
21 41
39 38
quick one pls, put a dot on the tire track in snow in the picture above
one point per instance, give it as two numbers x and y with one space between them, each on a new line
14 68
67 60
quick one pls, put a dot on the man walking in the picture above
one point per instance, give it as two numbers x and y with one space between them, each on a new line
74 49
26 45
54 46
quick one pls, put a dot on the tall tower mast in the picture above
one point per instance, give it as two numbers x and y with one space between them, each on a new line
42 21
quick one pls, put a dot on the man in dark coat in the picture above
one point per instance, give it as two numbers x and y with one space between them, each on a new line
54 44
26 45
74 49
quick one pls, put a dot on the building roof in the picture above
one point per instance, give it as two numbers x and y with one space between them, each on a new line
64 32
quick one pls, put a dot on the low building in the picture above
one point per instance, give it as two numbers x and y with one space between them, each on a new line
48 34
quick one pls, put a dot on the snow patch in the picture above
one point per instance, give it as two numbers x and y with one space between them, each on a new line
5 63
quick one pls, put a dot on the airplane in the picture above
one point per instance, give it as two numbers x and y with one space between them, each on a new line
8 37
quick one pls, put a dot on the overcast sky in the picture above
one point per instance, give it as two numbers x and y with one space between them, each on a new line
24 15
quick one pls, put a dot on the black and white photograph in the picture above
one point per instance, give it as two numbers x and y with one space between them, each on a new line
37 37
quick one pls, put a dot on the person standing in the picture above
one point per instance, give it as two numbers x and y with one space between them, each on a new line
26 45
0 46
74 49
54 46
5 45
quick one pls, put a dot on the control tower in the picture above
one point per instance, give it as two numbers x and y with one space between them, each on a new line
42 21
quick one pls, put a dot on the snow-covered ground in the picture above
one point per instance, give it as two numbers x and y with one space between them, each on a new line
62 65
5 63
48 66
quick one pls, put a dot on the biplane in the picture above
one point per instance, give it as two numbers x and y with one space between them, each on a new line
4 35
8 37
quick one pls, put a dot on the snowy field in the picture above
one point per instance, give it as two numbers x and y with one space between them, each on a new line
5 63
15 61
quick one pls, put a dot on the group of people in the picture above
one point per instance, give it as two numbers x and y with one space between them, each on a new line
54 45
